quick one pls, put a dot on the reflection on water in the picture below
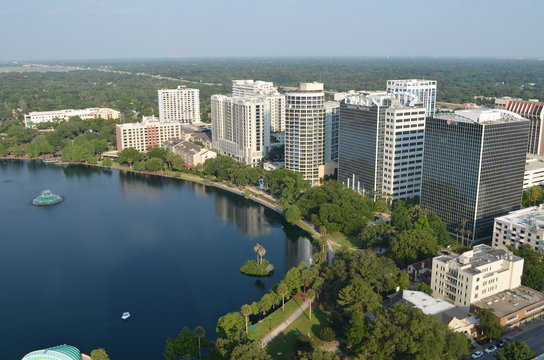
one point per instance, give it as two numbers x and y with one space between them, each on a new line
249 218
260 285
297 250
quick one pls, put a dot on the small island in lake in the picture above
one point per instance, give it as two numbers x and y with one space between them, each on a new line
47 198
259 267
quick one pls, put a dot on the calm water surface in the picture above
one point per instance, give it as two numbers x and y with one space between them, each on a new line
167 251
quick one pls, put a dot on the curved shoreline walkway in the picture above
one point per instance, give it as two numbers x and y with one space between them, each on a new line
290 319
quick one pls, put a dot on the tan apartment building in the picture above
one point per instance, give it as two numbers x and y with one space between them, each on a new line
475 274
146 134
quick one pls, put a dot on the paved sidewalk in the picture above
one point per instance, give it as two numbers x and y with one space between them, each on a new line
271 335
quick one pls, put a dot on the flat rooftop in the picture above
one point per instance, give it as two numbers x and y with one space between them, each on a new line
529 217
511 301
534 162
481 116
480 255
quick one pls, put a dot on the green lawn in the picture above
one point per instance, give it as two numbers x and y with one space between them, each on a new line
284 345
308 229
270 322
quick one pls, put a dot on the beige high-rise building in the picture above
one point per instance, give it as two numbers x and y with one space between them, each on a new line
275 110
181 104
240 127
305 131
475 274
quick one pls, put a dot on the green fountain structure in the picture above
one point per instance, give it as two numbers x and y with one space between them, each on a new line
47 198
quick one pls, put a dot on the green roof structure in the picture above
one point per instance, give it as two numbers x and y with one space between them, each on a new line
61 352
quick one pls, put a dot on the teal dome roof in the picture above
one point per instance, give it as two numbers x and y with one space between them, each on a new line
61 352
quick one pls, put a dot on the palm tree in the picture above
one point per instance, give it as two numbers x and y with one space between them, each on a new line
462 232
282 291
199 333
261 252
246 311
468 233
256 248
310 294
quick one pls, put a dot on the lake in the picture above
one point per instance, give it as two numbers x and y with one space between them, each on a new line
166 250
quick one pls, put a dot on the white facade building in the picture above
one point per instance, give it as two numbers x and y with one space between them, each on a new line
144 135
305 131
381 145
403 151
475 274
36 117
266 90
534 171
181 104
412 92
240 127
525 226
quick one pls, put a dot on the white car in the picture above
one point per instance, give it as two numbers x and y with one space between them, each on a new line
490 349
477 355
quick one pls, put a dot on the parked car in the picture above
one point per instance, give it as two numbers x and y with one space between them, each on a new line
502 342
490 349
477 355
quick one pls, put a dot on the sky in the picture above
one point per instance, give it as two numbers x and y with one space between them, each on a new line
77 29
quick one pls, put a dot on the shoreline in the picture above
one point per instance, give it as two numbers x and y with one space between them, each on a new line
301 224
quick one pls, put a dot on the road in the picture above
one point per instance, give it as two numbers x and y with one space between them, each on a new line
530 333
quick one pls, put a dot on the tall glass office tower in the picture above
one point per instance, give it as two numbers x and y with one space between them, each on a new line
413 91
473 167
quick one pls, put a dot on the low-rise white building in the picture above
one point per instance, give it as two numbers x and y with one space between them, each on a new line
475 274
534 171
525 226
457 319
36 117
146 134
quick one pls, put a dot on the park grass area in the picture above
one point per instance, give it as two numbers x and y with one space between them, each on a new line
284 346
341 239
270 322
308 229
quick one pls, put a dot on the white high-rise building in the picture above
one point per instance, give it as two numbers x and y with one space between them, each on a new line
412 92
475 274
381 145
240 127
181 104
305 131
266 90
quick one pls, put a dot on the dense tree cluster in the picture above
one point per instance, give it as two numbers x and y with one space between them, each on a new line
532 196
333 207
133 95
533 267
459 80
226 168
516 350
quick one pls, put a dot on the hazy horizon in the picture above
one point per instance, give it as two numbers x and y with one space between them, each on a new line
166 29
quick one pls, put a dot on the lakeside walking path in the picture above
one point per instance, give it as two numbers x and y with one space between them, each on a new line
290 319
